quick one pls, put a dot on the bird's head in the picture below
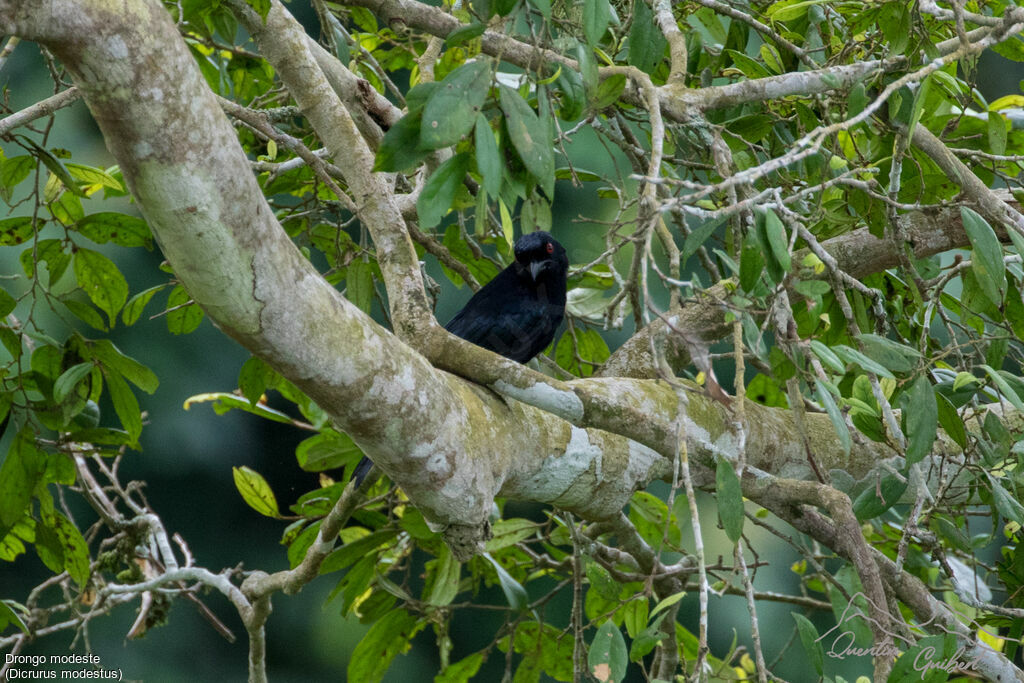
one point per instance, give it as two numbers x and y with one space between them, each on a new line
539 255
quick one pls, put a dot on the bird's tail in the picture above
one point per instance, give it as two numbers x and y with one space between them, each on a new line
362 469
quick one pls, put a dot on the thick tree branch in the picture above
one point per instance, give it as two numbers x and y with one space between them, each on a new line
994 205
284 44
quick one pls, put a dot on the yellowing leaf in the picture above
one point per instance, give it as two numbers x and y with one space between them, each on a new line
1007 102
255 490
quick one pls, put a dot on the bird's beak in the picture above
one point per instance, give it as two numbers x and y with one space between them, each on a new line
535 269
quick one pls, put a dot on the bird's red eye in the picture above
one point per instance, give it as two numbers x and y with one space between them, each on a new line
550 247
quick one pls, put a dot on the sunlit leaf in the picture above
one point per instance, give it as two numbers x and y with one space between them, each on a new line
255 491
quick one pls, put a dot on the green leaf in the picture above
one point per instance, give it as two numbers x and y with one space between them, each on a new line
869 505
751 262
341 47
921 418
359 284
750 67
697 238
253 379
19 474
356 548
829 403
528 138
400 148
809 639
488 157
1004 388
653 519
16 230
255 491
986 255
182 316
223 402
86 313
826 355
646 42
921 663
11 341
55 165
775 231
452 108
574 98
608 657
514 592
327 451
920 95
647 640
752 128
535 214
462 670
542 6
464 34
481 268
995 353
51 251
1011 48
102 281
10 613
729 497
507 229
391 635
67 382
597 14
7 303
609 91
508 532
600 580
125 404
75 551
1008 506
598 276
951 421
392 587
635 615
119 228
48 548
93 176
67 209
137 304
667 602
895 21
853 356
418 97
589 353
770 56
439 191
812 289
15 170
132 370
893 355
445 585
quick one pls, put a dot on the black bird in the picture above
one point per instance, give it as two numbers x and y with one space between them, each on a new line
515 314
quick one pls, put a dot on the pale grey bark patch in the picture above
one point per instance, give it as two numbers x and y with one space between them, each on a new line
565 404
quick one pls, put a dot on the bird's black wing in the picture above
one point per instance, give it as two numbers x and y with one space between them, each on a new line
508 319
518 331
